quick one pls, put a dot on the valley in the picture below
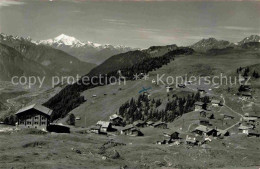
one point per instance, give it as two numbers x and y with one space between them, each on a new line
88 147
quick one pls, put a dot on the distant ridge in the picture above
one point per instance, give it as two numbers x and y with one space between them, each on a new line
212 43
85 51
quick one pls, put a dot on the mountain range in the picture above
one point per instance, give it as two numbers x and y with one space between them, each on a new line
66 55
87 52
21 56
212 43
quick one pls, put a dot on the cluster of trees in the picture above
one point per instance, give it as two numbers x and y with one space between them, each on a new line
11 120
255 74
72 119
69 98
246 72
145 109
152 64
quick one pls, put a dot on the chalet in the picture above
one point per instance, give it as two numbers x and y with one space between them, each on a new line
250 119
245 128
204 130
191 140
161 125
203 113
181 85
95 129
227 116
215 103
205 121
149 123
199 106
163 142
105 126
202 92
168 89
173 135
252 133
246 87
222 132
252 113
246 95
125 130
58 128
116 120
135 132
130 130
34 116
207 114
139 123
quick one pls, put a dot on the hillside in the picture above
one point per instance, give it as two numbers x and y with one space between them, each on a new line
12 63
109 98
71 94
128 59
120 61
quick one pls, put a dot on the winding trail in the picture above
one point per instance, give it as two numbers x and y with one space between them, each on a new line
224 104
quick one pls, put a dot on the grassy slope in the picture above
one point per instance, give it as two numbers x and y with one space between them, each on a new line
100 107
55 149
21 150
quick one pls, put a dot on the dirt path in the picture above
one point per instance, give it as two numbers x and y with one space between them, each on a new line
224 104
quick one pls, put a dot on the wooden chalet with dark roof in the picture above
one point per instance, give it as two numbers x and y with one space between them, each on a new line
34 116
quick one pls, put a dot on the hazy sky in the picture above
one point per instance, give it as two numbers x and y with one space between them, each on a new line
135 24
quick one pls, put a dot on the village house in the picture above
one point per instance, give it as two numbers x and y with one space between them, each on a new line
149 123
207 114
130 130
215 103
58 128
255 132
199 106
139 123
204 130
189 140
95 129
116 120
168 89
181 85
205 121
245 128
173 135
227 116
202 92
246 95
34 116
222 132
168 141
252 113
105 126
161 125
250 119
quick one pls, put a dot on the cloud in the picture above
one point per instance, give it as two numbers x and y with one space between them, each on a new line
4 3
119 22
144 30
116 21
238 28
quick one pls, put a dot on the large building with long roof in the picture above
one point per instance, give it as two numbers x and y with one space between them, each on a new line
34 116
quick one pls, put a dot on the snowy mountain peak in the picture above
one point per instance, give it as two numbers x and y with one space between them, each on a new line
63 40
70 41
